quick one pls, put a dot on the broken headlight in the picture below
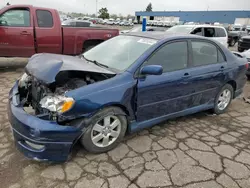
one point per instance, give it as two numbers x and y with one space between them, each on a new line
58 104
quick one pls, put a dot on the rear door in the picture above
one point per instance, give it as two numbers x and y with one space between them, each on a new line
48 31
16 33
221 36
208 71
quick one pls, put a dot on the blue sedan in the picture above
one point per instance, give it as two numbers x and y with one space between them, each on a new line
125 84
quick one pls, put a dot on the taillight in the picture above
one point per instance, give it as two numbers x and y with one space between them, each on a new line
247 66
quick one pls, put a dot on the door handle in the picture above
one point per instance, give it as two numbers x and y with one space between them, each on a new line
222 68
186 75
25 33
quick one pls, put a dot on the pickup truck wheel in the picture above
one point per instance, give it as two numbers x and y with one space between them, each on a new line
223 99
240 49
88 48
105 130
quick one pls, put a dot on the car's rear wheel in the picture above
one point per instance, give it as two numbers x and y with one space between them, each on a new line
223 99
105 130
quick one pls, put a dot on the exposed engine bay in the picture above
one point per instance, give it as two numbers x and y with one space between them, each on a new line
48 100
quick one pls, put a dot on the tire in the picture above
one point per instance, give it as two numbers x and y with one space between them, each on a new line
240 49
88 48
100 146
232 43
217 108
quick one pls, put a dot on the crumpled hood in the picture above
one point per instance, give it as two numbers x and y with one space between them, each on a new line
45 67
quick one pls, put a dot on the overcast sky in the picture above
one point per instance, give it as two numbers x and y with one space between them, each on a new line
130 6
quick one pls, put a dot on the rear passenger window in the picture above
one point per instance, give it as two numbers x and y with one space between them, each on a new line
209 32
205 53
44 18
171 57
220 32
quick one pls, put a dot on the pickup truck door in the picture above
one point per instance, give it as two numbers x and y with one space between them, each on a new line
48 31
16 33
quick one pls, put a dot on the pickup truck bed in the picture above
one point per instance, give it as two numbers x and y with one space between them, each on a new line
26 30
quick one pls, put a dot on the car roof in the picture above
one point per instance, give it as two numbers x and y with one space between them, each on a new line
164 35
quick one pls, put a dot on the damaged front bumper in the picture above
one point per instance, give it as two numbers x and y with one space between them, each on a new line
39 139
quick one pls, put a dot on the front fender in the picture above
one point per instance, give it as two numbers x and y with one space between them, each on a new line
117 91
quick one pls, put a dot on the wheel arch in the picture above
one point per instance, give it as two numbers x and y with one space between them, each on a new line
91 42
233 84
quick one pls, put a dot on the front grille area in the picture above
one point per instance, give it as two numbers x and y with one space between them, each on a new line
246 40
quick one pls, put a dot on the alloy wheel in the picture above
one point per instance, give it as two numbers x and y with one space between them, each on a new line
106 131
224 99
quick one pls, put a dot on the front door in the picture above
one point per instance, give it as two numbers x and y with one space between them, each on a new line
16 33
170 92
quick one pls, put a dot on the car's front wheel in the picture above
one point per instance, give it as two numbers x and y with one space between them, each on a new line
105 130
223 99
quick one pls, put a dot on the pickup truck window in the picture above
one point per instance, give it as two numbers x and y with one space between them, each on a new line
44 18
15 18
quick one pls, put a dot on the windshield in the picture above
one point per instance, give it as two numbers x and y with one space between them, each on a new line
181 29
119 52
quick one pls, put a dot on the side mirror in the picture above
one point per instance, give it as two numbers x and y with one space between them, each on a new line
151 70
3 23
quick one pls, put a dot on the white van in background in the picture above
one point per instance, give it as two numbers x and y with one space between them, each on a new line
217 33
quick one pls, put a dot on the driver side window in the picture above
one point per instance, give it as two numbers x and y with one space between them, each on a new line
172 56
15 18
197 31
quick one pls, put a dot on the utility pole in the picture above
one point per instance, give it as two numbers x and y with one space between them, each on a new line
96 8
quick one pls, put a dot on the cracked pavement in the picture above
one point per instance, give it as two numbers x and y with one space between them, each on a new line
198 151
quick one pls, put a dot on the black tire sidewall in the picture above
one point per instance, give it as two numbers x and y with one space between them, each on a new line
216 109
233 42
240 49
86 140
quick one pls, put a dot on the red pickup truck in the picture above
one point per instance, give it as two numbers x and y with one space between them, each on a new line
26 30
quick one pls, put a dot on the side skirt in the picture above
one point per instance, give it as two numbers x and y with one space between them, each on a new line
136 126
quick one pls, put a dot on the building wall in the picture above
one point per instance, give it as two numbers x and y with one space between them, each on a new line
201 16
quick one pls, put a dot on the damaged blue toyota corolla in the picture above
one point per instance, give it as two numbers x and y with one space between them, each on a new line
127 83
